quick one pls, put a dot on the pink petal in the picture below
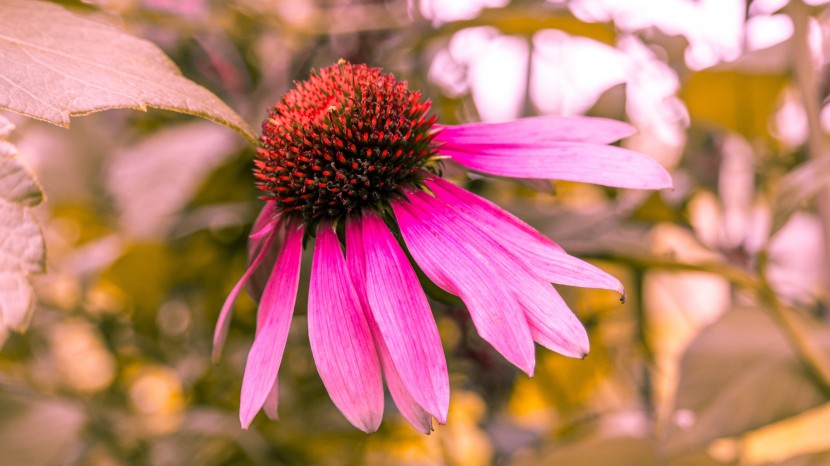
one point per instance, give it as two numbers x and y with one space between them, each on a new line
256 283
552 323
355 261
409 408
564 269
544 256
341 341
572 161
458 261
488 215
271 401
400 308
537 130
264 222
222 324
274 318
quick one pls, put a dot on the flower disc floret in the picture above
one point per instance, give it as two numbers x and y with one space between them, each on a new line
349 137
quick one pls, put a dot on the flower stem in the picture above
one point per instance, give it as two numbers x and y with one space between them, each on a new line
734 274
806 80
815 361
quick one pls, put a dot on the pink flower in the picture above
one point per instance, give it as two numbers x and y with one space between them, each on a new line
353 151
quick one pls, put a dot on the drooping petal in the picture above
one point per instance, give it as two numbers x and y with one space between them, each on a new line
401 310
273 320
341 341
264 222
571 161
537 130
272 401
544 256
356 263
223 322
409 408
551 322
459 267
256 283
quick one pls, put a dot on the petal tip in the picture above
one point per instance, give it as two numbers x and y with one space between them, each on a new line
528 367
585 349
429 428
369 427
245 420
368 423
423 426
665 181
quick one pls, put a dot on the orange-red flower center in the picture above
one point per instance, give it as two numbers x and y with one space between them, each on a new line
349 137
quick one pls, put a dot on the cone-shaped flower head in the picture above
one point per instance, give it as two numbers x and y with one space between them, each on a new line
354 148
349 137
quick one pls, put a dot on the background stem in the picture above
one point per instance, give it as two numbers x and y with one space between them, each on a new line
806 79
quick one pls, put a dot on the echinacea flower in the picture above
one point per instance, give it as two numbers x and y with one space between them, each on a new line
352 150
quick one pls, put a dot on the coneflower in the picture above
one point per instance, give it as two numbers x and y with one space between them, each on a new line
354 149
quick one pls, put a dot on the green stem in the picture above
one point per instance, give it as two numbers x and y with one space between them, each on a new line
815 361
734 274
807 81
643 337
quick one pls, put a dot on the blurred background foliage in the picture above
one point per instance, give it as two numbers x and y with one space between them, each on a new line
719 356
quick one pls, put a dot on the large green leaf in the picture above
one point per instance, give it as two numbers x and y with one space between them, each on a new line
21 241
738 375
55 65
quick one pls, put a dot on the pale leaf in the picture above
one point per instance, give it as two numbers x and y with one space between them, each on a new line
740 374
55 65
22 249
167 168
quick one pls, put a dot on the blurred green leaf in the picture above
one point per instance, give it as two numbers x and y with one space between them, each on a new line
528 19
57 65
612 451
619 451
22 249
571 382
738 375
655 209
813 459
23 415
167 168
737 101
145 274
